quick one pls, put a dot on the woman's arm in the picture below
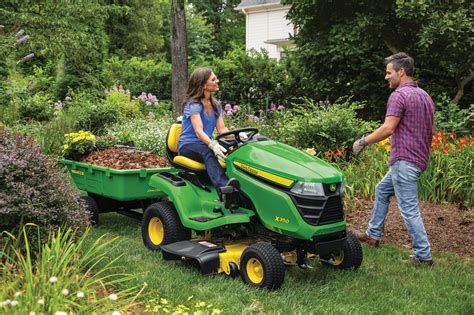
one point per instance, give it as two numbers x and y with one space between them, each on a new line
198 129
221 128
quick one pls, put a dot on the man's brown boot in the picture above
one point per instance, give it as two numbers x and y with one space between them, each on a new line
415 261
366 239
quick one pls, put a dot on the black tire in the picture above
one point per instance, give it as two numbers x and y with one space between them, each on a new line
92 208
349 258
163 215
269 260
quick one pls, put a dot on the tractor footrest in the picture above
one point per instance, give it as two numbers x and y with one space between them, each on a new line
205 253
203 219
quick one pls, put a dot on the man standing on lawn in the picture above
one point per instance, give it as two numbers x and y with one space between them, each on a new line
410 122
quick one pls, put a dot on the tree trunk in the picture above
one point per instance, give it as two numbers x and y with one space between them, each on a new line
179 54
461 84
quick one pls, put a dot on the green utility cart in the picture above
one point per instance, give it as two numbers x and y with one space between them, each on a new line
111 189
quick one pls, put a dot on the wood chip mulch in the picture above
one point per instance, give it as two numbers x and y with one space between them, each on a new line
450 227
125 158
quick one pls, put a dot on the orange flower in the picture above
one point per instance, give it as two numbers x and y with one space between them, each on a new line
339 152
446 149
462 141
452 135
329 154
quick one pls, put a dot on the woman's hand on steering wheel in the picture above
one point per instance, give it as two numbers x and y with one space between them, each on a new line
237 137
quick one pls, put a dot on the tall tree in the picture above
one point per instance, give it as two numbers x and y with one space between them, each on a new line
342 45
228 24
179 54
71 34
137 28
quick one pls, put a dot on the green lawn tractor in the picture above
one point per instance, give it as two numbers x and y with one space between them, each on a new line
289 208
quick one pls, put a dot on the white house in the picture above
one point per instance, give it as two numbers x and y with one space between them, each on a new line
266 26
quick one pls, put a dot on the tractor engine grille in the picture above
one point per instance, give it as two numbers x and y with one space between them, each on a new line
320 211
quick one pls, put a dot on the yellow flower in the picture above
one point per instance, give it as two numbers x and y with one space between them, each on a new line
90 138
383 143
387 148
66 146
164 301
200 304
216 311
76 139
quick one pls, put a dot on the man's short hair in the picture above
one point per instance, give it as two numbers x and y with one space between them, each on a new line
402 60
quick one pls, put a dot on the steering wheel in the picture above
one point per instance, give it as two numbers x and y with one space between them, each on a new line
236 133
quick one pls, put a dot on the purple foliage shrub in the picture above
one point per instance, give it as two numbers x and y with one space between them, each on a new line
32 190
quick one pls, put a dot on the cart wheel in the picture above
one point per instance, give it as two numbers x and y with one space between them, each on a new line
349 257
261 266
92 208
161 225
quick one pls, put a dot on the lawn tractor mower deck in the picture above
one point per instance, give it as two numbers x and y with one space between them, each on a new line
288 208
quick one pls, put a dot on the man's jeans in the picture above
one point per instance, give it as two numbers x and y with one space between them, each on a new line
401 181
202 153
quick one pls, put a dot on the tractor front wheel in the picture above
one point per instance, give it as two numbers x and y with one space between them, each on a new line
161 225
349 257
262 266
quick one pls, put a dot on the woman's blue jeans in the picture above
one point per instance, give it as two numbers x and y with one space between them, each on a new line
202 153
401 181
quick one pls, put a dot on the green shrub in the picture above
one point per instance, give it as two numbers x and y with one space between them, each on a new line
139 75
37 107
451 118
320 125
33 190
121 100
148 134
255 79
91 113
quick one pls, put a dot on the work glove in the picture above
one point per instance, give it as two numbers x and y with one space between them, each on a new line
358 146
218 150
243 136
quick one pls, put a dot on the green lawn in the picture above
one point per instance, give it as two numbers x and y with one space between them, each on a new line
382 285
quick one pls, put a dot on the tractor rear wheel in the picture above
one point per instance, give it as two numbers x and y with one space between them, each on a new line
261 265
349 257
161 225
92 208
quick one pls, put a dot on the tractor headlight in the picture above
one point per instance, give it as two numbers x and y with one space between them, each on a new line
312 189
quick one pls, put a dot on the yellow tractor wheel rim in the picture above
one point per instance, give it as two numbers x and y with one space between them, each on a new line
255 270
156 231
338 258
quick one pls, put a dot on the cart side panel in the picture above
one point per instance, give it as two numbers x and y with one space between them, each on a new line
122 185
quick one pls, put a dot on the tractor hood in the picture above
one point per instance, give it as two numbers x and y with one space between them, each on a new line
275 158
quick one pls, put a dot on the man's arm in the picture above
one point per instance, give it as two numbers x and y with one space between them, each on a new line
384 131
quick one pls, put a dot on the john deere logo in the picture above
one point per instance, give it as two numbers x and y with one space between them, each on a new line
332 187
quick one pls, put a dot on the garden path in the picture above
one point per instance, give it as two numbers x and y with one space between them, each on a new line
450 227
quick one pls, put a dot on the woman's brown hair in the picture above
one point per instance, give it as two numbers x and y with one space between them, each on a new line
196 84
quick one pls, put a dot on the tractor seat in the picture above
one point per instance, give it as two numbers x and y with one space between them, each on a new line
179 160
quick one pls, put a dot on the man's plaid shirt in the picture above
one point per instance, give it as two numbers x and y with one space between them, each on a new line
411 140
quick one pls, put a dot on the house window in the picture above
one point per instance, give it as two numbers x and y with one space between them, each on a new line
282 53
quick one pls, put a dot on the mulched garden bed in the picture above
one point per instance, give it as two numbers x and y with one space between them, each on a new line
450 227
123 158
